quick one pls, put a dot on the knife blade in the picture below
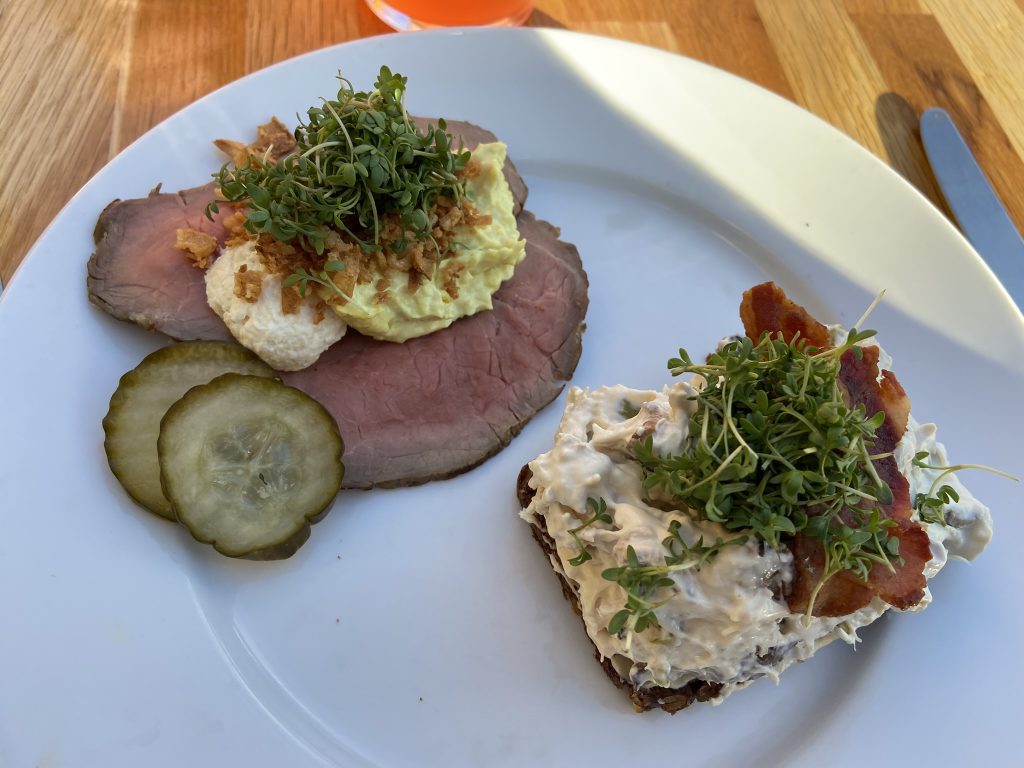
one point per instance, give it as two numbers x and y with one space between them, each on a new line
978 210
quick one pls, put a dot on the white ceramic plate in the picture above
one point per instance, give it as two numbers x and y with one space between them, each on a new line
423 626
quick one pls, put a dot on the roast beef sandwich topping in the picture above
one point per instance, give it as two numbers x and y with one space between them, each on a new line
406 289
396 225
387 225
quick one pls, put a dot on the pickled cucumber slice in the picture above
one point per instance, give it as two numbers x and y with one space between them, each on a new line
248 464
144 394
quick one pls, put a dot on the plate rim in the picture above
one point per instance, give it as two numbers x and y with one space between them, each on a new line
894 177
557 34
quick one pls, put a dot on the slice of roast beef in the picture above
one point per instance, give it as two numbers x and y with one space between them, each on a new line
423 410
435 406
137 274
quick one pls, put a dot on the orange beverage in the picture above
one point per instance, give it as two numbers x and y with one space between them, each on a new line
419 14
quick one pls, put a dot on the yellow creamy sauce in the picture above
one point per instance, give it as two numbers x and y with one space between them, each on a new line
486 255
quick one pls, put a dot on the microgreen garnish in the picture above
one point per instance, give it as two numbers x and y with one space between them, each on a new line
600 513
642 582
931 505
775 450
303 277
627 410
358 157
698 553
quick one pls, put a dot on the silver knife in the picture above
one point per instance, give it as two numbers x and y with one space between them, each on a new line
978 210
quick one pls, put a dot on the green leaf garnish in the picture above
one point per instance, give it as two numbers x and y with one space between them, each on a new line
599 513
641 582
627 410
774 450
359 156
931 505
302 277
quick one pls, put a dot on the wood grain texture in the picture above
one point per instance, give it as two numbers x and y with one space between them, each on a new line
80 80
827 63
177 52
730 36
316 24
59 89
884 7
923 69
996 69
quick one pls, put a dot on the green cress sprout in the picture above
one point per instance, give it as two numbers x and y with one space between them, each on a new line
302 277
627 410
642 582
931 505
775 451
359 156
599 510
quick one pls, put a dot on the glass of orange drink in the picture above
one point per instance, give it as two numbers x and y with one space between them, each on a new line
406 15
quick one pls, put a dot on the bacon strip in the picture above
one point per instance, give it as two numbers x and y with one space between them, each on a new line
765 307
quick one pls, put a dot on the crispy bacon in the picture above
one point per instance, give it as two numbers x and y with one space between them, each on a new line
766 308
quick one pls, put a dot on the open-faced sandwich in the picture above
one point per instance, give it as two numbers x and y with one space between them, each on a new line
382 265
730 525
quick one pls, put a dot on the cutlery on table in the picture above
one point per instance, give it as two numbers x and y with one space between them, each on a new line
978 210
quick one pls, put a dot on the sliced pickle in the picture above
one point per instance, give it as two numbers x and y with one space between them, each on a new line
144 394
248 464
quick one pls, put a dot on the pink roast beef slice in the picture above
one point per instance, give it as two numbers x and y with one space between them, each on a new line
439 405
137 274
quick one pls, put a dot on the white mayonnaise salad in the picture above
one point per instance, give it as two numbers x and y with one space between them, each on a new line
727 622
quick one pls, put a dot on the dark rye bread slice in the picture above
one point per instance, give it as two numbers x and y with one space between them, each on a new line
669 699
136 273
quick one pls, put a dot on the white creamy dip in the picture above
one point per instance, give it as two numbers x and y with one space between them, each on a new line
728 621
286 342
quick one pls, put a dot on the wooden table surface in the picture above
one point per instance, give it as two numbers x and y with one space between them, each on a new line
80 79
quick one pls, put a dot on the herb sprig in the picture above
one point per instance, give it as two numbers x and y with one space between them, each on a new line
359 156
931 505
302 278
642 582
775 450
600 513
